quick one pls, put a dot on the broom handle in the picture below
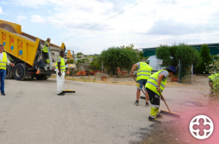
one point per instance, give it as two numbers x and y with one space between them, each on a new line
136 81
68 76
164 101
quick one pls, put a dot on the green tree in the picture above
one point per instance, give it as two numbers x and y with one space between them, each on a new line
206 58
118 57
213 68
95 65
141 56
84 60
80 53
163 52
186 54
131 46
173 50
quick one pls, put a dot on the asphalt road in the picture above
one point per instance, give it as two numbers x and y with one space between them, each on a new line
32 113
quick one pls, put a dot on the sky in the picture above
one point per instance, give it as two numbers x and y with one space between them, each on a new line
147 23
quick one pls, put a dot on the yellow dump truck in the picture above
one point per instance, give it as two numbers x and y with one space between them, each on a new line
25 51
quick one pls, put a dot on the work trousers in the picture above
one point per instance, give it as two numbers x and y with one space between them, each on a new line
46 57
60 81
2 79
155 103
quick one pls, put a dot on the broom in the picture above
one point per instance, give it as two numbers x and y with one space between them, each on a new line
168 112
68 91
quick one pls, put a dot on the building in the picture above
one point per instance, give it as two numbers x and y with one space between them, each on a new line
151 53
214 49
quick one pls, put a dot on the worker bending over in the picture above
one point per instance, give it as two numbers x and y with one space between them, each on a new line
60 73
155 84
212 81
143 73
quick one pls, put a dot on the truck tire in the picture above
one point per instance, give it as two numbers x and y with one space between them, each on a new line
9 72
19 72
45 77
40 77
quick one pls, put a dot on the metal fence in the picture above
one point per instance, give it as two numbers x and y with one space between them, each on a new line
185 73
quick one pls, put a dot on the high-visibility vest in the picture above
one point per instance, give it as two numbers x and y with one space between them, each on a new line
3 62
144 71
62 65
45 48
215 79
152 83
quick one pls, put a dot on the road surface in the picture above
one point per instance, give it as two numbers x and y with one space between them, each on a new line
32 113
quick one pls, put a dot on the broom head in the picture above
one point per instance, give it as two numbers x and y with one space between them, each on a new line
68 91
170 113
142 97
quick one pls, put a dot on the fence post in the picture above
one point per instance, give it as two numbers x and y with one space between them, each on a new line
179 72
192 74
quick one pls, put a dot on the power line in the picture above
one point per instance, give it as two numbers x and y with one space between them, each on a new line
104 20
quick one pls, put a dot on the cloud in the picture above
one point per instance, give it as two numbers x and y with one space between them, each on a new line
1 11
171 27
37 18
21 17
147 24
30 3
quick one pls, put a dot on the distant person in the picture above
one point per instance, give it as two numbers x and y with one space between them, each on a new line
212 80
143 74
46 50
155 84
4 61
60 73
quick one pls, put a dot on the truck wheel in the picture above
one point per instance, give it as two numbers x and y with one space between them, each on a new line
45 77
19 72
40 76
9 72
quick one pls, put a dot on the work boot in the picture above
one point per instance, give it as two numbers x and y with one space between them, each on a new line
61 94
147 104
159 115
153 120
3 93
136 103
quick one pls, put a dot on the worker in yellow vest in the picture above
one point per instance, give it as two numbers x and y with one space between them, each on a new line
143 73
4 61
60 73
46 50
213 79
155 84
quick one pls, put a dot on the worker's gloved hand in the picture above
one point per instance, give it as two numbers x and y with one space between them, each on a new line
59 73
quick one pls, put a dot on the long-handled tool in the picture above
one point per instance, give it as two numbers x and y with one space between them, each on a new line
168 112
141 89
68 91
